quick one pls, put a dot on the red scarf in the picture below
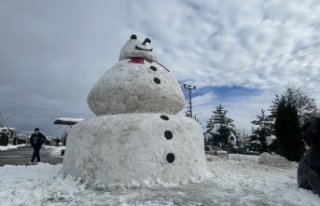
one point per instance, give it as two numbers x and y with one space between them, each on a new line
140 60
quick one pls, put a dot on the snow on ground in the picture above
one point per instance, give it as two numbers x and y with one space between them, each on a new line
11 147
241 180
55 151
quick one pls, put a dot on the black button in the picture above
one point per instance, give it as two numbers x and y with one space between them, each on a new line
170 157
168 134
164 117
157 80
153 68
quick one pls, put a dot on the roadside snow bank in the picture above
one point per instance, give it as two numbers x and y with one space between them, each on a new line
275 161
11 147
55 151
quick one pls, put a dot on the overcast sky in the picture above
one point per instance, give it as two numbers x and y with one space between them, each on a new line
238 53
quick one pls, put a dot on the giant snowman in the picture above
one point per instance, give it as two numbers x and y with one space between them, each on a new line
136 136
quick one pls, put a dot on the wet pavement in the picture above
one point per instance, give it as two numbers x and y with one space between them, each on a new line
22 155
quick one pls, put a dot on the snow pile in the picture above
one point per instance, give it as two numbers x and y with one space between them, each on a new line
238 181
213 158
11 147
275 160
237 157
55 151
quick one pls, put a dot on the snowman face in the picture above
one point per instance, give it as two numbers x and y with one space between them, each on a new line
136 48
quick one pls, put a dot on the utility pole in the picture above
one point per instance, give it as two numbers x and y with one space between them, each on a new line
190 88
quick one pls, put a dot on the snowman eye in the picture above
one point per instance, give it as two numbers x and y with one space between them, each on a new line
133 36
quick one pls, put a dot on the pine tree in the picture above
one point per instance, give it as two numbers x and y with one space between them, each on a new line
304 104
221 130
288 131
208 133
261 133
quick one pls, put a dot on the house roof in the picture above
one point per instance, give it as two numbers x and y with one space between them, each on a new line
67 121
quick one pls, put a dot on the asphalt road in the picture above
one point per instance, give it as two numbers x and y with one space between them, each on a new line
22 155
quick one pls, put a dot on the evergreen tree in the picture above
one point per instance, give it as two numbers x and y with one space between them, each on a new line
304 104
288 131
261 132
208 133
221 130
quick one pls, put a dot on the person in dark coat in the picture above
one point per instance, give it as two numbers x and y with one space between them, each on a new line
309 166
36 140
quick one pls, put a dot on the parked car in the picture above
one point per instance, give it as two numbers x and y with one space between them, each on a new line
216 151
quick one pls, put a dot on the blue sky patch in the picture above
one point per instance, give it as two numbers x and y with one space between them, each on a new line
223 93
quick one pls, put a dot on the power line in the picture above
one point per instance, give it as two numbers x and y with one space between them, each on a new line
253 99
270 66
267 95
270 91
266 66
268 59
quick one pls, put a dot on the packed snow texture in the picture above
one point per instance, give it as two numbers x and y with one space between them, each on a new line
129 88
237 182
274 160
128 148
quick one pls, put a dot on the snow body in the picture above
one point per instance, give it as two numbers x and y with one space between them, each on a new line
130 87
128 147
136 136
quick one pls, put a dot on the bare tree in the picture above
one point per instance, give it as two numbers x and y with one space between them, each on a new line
4 119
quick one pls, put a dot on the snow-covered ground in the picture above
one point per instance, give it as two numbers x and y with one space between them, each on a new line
241 180
55 151
11 147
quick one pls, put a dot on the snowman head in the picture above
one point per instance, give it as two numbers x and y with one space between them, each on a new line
136 48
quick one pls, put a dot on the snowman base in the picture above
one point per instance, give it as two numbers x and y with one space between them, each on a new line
128 148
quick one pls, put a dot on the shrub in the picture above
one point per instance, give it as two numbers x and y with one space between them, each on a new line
4 139
22 141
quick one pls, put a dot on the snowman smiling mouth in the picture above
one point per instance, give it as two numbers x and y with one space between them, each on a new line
139 48
146 40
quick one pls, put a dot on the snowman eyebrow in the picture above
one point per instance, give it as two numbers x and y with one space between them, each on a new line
146 40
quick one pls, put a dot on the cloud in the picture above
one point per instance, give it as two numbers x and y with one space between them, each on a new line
52 52
263 45
206 38
203 99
